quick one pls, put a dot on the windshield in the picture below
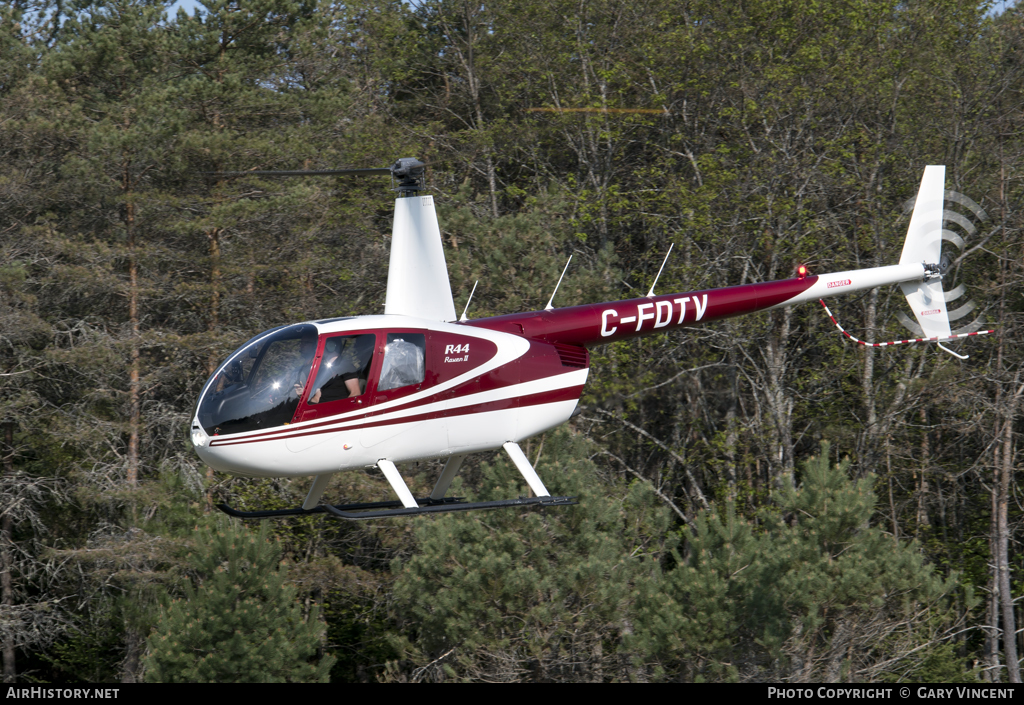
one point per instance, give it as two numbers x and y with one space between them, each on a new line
260 384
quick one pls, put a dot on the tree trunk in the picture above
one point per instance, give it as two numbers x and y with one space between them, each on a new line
466 54
779 400
991 620
6 559
474 88
213 236
132 661
134 383
1004 471
869 442
1004 455
923 520
213 325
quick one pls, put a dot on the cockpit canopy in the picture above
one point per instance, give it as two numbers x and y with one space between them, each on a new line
261 383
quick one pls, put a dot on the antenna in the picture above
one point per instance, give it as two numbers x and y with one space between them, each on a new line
549 306
467 302
651 292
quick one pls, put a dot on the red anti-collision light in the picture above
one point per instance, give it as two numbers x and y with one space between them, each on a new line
801 271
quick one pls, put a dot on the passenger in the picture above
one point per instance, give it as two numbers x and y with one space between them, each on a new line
403 362
343 372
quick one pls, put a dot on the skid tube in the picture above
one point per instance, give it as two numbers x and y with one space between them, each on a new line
394 508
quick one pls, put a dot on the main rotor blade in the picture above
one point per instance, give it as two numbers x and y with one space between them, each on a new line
325 172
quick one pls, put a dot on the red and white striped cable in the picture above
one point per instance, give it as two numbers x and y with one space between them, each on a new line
935 339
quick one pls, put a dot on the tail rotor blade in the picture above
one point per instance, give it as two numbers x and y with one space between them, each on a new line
929 230
924 245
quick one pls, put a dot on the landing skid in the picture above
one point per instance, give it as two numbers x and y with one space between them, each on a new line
394 508
406 504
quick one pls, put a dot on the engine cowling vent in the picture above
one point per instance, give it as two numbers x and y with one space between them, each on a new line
573 355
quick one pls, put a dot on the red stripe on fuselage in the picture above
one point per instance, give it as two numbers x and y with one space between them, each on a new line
544 364
549 397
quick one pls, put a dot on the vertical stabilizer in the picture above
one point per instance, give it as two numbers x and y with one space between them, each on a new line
924 246
418 275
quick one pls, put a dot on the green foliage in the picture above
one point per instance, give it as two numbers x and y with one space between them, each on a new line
87 656
513 595
810 592
360 636
240 622
937 664
517 258
753 136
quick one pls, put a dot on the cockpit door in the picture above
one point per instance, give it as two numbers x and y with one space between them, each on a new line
407 418
344 376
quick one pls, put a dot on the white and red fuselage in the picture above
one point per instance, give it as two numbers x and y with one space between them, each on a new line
480 389
315 398
484 382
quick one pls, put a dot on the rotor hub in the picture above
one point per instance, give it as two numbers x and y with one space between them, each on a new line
408 171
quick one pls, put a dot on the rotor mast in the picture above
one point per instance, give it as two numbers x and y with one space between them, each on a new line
409 172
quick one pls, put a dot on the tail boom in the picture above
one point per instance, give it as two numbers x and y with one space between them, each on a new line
595 324
919 274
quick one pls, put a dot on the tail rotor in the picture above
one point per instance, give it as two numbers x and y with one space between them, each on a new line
935 221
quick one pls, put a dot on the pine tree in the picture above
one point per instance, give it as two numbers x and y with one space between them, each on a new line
814 592
241 622
517 258
529 595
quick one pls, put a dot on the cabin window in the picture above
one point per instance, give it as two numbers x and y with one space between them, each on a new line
404 361
344 368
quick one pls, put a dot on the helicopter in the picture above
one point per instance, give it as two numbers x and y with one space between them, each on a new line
320 397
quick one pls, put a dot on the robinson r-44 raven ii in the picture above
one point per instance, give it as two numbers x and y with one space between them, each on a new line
319 397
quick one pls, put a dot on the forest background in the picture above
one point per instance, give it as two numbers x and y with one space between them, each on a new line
760 499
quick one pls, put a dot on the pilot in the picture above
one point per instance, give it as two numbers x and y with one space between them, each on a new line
343 368
328 367
232 374
298 374
276 388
